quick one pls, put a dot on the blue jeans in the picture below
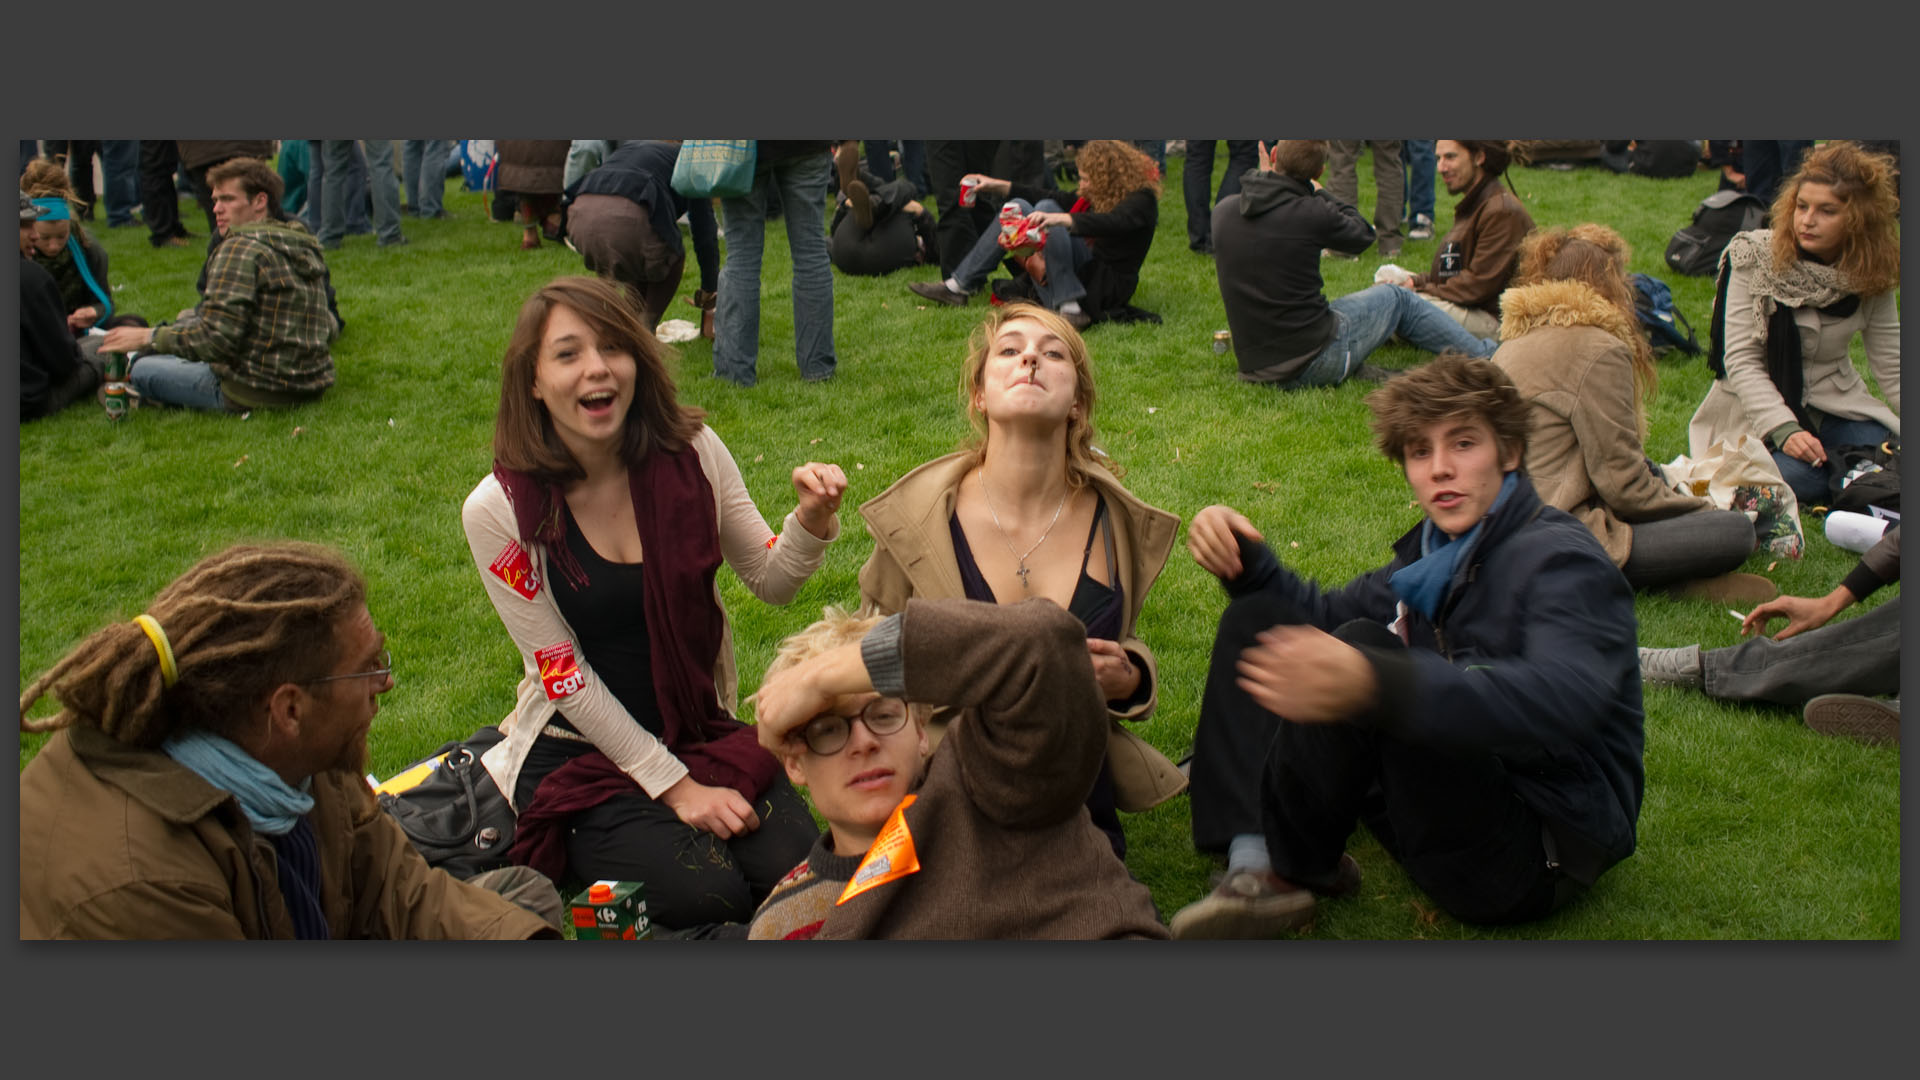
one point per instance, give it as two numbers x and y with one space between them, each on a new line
1421 163
120 162
1196 182
801 186
356 181
1370 318
173 380
1066 254
338 192
1809 484
424 164
913 162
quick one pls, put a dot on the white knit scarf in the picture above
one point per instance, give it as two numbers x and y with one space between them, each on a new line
1804 283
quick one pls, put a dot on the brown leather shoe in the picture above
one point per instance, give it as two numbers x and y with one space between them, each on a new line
938 292
1258 904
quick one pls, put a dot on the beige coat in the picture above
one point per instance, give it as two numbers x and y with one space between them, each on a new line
1747 402
913 556
1570 353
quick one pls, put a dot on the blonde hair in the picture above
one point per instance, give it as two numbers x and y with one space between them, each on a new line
1079 449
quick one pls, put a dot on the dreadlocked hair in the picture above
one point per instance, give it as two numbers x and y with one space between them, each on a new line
240 622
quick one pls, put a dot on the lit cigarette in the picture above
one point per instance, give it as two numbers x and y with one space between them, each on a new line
1736 615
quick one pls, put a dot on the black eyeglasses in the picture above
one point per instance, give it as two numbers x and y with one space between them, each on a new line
827 733
385 668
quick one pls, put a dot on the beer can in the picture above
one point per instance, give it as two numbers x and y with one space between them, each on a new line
116 400
1222 341
968 185
116 367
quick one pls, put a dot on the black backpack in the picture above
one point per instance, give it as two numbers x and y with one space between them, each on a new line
1695 250
1667 159
1876 487
1659 319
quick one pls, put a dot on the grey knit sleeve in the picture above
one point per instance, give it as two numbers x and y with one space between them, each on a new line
880 651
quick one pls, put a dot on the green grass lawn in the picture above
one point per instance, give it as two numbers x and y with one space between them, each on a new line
1753 827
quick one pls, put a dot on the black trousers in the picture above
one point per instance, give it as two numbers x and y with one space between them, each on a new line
1023 161
693 878
159 196
1196 182
1451 819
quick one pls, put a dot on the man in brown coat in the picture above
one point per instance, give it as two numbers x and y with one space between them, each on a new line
213 789
1477 257
991 837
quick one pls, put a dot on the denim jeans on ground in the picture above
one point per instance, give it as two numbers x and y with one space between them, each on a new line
1374 315
174 380
1860 655
424 164
1066 254
1422 163
1809 484
801 184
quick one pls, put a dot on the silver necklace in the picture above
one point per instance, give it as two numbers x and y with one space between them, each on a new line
1023 571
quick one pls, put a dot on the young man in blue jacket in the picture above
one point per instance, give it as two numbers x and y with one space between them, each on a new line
1475 702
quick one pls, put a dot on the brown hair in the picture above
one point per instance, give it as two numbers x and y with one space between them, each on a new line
46 178
1864 182
1498 153
1111 170
1597 257
255 176
523 434
1079 442
240 623
1301 159
1454 384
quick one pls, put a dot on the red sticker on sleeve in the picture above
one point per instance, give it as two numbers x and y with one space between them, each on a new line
515 567
560 674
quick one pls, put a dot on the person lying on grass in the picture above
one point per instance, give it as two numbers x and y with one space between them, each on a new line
1476 701
987 838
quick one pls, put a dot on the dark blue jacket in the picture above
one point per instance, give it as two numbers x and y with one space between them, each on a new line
1532 659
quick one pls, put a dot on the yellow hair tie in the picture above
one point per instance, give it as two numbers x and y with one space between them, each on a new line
169 674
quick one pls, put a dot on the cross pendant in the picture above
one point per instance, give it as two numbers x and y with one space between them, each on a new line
1023 572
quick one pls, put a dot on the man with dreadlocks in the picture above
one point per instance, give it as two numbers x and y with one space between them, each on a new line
204 779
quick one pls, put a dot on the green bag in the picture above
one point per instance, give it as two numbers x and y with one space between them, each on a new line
714 167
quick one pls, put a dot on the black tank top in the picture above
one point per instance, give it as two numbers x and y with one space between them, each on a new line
610 621
1097 606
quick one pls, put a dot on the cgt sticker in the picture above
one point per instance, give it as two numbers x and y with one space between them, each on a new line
560 674
515 567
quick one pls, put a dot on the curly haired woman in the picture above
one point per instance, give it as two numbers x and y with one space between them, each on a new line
1090 265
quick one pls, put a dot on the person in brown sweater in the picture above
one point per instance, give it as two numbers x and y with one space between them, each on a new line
1477 257
991 838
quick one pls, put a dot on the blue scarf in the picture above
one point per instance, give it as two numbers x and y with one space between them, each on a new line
1423 582
272 806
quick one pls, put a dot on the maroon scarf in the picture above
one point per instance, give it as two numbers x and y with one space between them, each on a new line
680 533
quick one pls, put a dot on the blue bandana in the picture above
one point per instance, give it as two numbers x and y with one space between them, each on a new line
272 806
1423 582
53 209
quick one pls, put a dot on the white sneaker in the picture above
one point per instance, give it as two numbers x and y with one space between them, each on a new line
1422 228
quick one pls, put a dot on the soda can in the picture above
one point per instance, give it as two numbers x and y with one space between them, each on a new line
116 400
1222 341
968 185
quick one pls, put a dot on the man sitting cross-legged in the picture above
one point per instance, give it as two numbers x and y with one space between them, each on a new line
1476 701
987 838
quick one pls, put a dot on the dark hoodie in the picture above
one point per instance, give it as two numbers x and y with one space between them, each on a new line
1266 251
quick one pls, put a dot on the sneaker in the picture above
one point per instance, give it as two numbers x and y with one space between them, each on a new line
1422 228
1329 253
1257 904
1855 717
1079 320
1388 249
395 242
1374 373
1672 667
938 292
1735 588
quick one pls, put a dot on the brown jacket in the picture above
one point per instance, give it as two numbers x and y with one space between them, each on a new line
1569 351
913 556
1488 224
532 166
999 824
121 842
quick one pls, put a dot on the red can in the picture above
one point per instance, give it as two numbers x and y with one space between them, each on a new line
968 186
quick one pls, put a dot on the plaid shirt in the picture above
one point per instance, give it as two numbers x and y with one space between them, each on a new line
263 323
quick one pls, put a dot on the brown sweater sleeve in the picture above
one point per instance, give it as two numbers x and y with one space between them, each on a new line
1488 269
1033 732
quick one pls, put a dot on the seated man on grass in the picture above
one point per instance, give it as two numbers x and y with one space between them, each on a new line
205 776
1267 240
260 334
987 838
1476 701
